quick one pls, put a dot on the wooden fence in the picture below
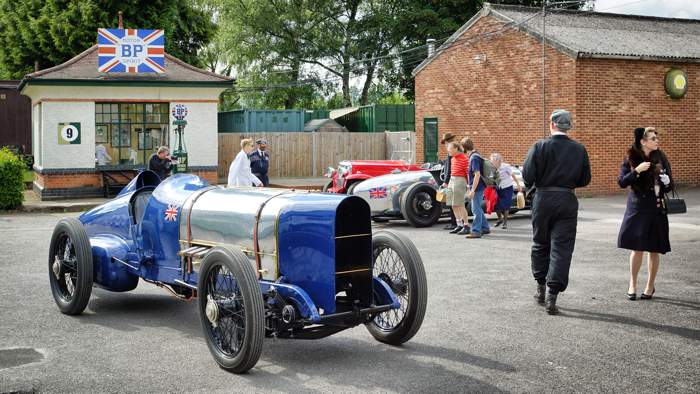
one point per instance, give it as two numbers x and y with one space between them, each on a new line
305 154
401 145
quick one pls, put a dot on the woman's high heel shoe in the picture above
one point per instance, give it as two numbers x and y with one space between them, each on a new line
645 296
631 296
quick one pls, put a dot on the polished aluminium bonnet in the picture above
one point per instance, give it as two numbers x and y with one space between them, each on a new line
219 216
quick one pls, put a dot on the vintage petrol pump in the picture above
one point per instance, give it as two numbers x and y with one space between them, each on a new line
180 153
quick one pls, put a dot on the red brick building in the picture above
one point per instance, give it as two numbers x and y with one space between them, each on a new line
609 70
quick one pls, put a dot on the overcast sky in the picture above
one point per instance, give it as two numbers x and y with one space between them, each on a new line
688 9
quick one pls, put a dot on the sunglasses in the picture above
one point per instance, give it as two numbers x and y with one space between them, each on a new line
652 138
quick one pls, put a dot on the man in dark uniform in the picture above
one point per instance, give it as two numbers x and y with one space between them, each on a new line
260 161
160 163
556 166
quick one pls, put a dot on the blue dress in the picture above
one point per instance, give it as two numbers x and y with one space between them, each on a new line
645 225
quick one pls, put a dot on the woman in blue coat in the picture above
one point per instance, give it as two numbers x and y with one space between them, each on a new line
645 226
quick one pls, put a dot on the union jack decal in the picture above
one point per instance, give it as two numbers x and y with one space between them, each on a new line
171 213
130 51
377 192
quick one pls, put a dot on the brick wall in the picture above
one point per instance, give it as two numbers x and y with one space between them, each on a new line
615 96
499 103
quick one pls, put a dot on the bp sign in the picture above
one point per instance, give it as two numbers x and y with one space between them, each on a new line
179 111
676 83
130 51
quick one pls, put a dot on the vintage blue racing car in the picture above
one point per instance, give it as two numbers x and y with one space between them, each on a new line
261 262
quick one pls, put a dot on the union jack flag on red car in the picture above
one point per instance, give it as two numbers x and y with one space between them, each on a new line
130 51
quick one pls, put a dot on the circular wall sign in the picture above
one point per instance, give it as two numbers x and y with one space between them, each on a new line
69 133
676 83
179 111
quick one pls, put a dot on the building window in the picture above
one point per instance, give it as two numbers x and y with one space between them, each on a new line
126 134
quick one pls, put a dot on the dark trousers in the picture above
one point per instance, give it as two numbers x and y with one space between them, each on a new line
554 217
263 178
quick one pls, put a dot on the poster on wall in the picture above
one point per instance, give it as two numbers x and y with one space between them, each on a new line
69 133
101 134
130 51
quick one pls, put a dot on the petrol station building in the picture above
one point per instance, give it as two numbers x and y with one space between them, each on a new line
93 127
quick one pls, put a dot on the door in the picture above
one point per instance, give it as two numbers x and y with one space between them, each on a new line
430 140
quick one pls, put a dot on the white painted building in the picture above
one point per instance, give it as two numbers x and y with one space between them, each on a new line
86 123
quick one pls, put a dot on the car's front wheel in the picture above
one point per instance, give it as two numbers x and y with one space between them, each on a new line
70 266
398 263
419 206
231 309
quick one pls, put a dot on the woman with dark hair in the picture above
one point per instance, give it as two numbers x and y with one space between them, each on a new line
645 226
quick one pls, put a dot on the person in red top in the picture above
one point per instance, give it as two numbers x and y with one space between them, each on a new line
457 187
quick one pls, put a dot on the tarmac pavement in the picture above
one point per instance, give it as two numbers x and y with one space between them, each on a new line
482 331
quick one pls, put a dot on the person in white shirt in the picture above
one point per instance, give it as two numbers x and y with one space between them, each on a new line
504 189
103 158
239 173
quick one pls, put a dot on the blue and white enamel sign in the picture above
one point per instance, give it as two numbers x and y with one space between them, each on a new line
179 111
130 51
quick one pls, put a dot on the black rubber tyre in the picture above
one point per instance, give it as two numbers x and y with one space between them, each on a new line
380 220
413 205
70 266
229 287
327 186
350 188
397 262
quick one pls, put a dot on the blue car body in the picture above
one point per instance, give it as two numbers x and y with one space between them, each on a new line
146 231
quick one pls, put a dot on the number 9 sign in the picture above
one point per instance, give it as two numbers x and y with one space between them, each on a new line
68 133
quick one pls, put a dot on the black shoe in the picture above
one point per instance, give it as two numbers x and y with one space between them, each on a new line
498 223
456 230
539 294
646 296
464 231
505 226
550 304
631 296
450 227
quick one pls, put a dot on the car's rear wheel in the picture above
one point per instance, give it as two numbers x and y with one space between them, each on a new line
231 309
70 266
419 206
398 263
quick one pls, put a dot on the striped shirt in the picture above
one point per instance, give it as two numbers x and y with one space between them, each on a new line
459 165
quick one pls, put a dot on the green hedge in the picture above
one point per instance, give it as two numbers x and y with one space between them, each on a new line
11 180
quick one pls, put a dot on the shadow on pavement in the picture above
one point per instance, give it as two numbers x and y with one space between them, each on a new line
284 360
608 318
682 303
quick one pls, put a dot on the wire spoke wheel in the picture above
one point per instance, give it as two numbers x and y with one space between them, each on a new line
70 266
231 309
389 267
228 330
398 264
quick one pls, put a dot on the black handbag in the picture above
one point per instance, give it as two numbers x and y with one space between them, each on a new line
674 204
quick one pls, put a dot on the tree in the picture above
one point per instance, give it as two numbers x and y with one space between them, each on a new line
437 19
47 33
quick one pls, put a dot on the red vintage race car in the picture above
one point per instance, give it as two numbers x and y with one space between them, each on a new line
351 172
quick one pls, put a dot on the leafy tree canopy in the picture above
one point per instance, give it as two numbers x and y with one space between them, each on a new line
51 32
